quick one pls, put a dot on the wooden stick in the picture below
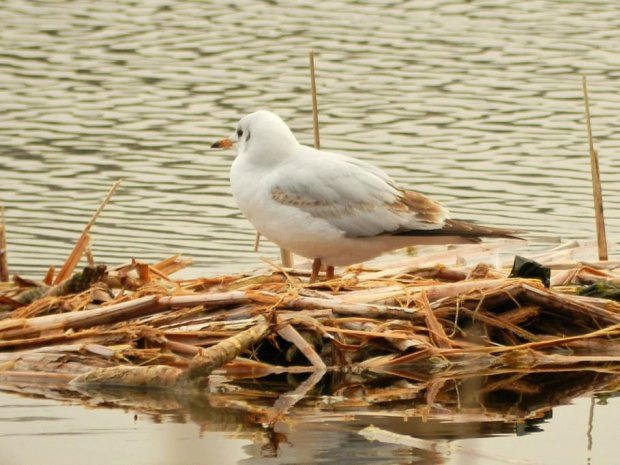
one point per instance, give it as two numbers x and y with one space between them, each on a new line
215 356
4 267
285 255
89 253
49 276
79 248
315 107
287 258
292 335
437 334
157 376
596 182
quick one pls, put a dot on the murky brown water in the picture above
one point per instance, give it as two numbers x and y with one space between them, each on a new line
476 103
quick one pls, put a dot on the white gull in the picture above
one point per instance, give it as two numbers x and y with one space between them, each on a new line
331 208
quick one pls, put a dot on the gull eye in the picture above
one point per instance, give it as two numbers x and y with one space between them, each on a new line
239 132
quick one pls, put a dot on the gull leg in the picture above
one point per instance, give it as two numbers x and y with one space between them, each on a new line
329 273
316 267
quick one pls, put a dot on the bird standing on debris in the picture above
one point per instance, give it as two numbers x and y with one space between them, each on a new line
331 208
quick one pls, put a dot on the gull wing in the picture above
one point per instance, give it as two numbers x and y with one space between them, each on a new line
355 197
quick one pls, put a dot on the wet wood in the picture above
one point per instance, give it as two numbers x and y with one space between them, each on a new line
157 376
214 357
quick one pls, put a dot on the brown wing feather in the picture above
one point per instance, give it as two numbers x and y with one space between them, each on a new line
424 208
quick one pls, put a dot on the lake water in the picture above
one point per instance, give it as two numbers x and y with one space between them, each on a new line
475 103
478 104
47 431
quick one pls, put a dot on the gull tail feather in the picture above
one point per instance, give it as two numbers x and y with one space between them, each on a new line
469 232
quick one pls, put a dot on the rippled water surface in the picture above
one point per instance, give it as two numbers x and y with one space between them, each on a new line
476 103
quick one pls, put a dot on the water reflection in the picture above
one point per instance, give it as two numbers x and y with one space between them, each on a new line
475 103
289 420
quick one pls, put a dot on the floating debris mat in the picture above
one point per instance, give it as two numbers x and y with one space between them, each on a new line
135 326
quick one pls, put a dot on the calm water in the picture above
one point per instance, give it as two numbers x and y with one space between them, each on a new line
46 431
476 103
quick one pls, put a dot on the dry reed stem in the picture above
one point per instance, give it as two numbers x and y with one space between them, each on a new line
315 106
441 258
49 276
437 333
601 237
4 266
88 252
256 241
290 334
83 241
171 265
564 303
36 377
80 320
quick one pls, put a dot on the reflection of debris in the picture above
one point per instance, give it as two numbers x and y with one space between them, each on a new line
372 433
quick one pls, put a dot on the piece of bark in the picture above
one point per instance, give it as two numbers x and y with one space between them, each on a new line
215 356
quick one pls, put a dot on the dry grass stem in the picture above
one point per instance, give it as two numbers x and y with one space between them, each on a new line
83 241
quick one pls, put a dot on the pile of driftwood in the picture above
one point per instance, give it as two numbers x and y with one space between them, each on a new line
135 326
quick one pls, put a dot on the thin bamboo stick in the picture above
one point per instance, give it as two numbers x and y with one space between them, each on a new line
315 106
4 267
256 241
596 182
285 255
81 244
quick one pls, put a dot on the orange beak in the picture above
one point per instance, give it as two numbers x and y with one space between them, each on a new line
225 143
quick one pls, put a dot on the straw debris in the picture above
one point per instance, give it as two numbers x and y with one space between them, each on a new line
135 326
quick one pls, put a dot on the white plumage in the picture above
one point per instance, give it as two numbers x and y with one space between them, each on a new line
327 206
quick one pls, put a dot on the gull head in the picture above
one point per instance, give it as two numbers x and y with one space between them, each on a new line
261 137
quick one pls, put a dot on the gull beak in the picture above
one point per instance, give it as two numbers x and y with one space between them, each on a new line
225 143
